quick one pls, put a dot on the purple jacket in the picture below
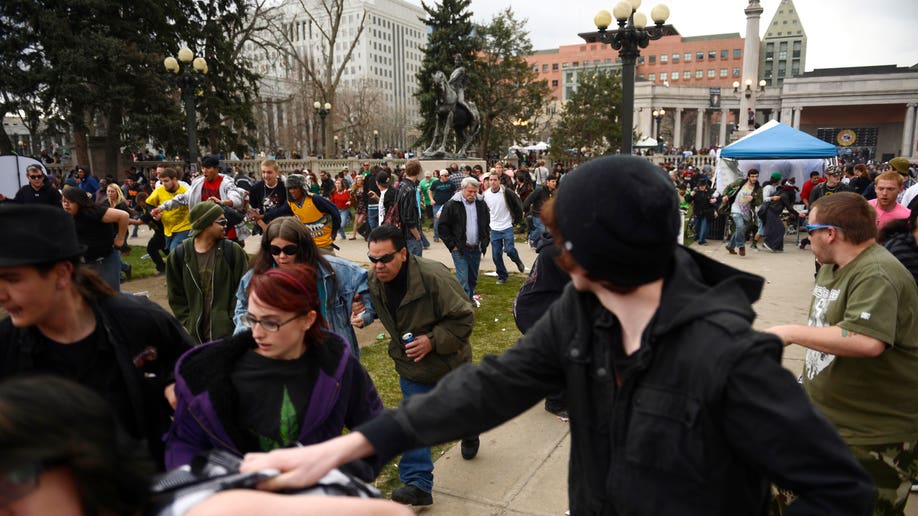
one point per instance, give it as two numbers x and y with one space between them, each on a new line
343 396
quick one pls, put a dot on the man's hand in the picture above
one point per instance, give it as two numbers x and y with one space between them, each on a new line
357 309
303 467
419 347
783 332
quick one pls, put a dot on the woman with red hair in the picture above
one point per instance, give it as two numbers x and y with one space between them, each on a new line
285 381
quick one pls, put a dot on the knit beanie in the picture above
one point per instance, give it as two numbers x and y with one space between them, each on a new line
619 217
203 215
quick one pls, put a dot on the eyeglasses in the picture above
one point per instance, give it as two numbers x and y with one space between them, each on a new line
36 177
386 258
289 250
813 227
269 325
221 222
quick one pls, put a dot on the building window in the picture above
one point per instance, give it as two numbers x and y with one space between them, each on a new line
687 57
699 74
570 76
724 53
565 65
639 61
782 55
675 58
544 67
723 72
686 74
711 73
736 72
699 56
795 68
712 54
652 59
675 76
575 64
554 84
737 53
662 76
535 68
554 67
609 61
664 58
652 77
596 61
798 45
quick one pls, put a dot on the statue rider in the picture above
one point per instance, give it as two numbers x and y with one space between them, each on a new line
459 79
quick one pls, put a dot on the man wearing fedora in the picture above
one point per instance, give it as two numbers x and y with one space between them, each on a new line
677 406
64 320
203 273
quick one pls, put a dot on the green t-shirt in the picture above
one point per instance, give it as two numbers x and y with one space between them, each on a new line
870 400
424 186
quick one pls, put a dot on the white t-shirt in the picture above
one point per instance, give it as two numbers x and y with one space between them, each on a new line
382 210
501 218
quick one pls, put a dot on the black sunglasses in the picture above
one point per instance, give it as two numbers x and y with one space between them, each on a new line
36 177
386 258
289 250
221 222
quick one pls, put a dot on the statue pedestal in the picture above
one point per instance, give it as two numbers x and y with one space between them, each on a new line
431 165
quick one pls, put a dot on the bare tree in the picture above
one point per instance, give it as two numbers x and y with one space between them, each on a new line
317 58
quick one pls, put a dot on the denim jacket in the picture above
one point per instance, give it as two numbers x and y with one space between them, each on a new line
341 284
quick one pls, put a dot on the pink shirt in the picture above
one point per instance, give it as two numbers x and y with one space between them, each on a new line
899 212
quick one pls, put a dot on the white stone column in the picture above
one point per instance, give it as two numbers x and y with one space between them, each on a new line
722 138
798 112
646 119
677 128
911 151
699 126
908 135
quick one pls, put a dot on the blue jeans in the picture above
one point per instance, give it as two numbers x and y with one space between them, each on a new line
503 241
109 268
176 239
742 227
415 247
701 229
373 215
437 209
467 262
345 218
416 467
537 229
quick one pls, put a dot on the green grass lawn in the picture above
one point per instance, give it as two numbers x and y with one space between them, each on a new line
494 332
139 268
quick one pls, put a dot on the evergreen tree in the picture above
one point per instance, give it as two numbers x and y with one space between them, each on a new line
591 116
451 38
508 89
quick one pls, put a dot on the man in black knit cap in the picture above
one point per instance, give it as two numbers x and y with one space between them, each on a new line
677 406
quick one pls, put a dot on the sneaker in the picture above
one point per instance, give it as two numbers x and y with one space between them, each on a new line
702 243
469 448
754 245
520 266
412 495
436 239
802 244
557 410
501 281
766 247
147 256
742 251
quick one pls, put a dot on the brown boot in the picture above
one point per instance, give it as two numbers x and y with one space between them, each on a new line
742 251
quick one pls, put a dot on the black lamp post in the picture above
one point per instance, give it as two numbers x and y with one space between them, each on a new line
751 96
336 145
375 141
630 37
189 76
322 111
658 117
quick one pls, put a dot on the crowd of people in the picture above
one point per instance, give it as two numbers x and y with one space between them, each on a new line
676 404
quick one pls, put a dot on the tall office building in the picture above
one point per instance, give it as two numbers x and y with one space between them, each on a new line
384 64
783 52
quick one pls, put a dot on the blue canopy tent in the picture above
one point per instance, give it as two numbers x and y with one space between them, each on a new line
774 147
775 140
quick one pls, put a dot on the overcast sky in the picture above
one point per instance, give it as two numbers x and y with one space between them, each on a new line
837 34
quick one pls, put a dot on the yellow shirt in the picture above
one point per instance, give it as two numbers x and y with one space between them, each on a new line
174 220
318 223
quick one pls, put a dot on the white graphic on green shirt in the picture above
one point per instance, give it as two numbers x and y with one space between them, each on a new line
288 427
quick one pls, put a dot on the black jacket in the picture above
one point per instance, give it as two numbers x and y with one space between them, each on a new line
452 223
406 197
536 199
131 325
699 424
47 194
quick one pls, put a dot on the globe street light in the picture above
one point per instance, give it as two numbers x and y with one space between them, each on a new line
189 76
630 37
658 117
751 95
322 111
375 141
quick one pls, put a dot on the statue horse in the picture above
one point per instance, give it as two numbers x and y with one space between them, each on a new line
452 114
